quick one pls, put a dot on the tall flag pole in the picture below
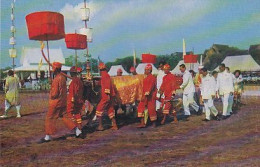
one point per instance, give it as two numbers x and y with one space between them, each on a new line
86 31
200 60
12 41
134 62
184 48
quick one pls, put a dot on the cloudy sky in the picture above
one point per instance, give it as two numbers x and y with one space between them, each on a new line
155 26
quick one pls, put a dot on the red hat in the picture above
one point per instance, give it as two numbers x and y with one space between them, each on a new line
73 69
56 65
166 67
119 70
148 67
79 69
101 66
132 69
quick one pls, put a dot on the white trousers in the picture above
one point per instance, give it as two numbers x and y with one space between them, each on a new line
188 101
209 107
158 104
8 106
227 101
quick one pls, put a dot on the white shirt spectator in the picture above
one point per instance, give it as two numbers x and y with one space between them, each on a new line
207 87
187 85
225 83
160 76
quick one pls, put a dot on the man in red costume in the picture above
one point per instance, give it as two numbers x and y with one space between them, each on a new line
119 72
57 104
75 97
107 97
148 97
133 71
168 88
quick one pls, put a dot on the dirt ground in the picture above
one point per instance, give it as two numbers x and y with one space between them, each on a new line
231 142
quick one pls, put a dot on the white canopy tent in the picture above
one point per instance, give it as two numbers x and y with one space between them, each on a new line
176 70
113 70
241 62
141 67
31 58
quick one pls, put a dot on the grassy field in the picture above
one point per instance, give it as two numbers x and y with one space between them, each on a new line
231 142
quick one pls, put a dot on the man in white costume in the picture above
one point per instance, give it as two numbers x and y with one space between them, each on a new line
160 76
225 89
207 87
188 92
12 94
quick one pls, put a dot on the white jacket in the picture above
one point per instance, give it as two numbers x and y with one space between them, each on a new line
187 85
160 76
225 83
207 87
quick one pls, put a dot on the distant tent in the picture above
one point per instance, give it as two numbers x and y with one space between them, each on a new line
31 58
189 66
113 70
241 62
140 68
176 70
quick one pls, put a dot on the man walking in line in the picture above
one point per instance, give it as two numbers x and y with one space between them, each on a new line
107 102
207 91
188 92
57 105
168 88
12 94
148 97
75 97
160 76
225 89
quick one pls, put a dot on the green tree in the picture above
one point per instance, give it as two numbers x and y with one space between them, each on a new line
3 74
70 61
254 51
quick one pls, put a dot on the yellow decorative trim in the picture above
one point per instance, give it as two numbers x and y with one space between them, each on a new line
153 118
111 115
107 91
166 111
140 115
147 93
99 113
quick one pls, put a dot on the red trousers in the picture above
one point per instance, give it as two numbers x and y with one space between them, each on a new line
167 106
151 105
51 118
105 104
74 112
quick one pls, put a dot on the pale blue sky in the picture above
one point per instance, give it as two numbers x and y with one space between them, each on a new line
155 26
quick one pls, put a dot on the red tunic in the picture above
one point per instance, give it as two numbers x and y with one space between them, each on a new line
107 92
58 92
57 105
75 96
168 86
149 98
